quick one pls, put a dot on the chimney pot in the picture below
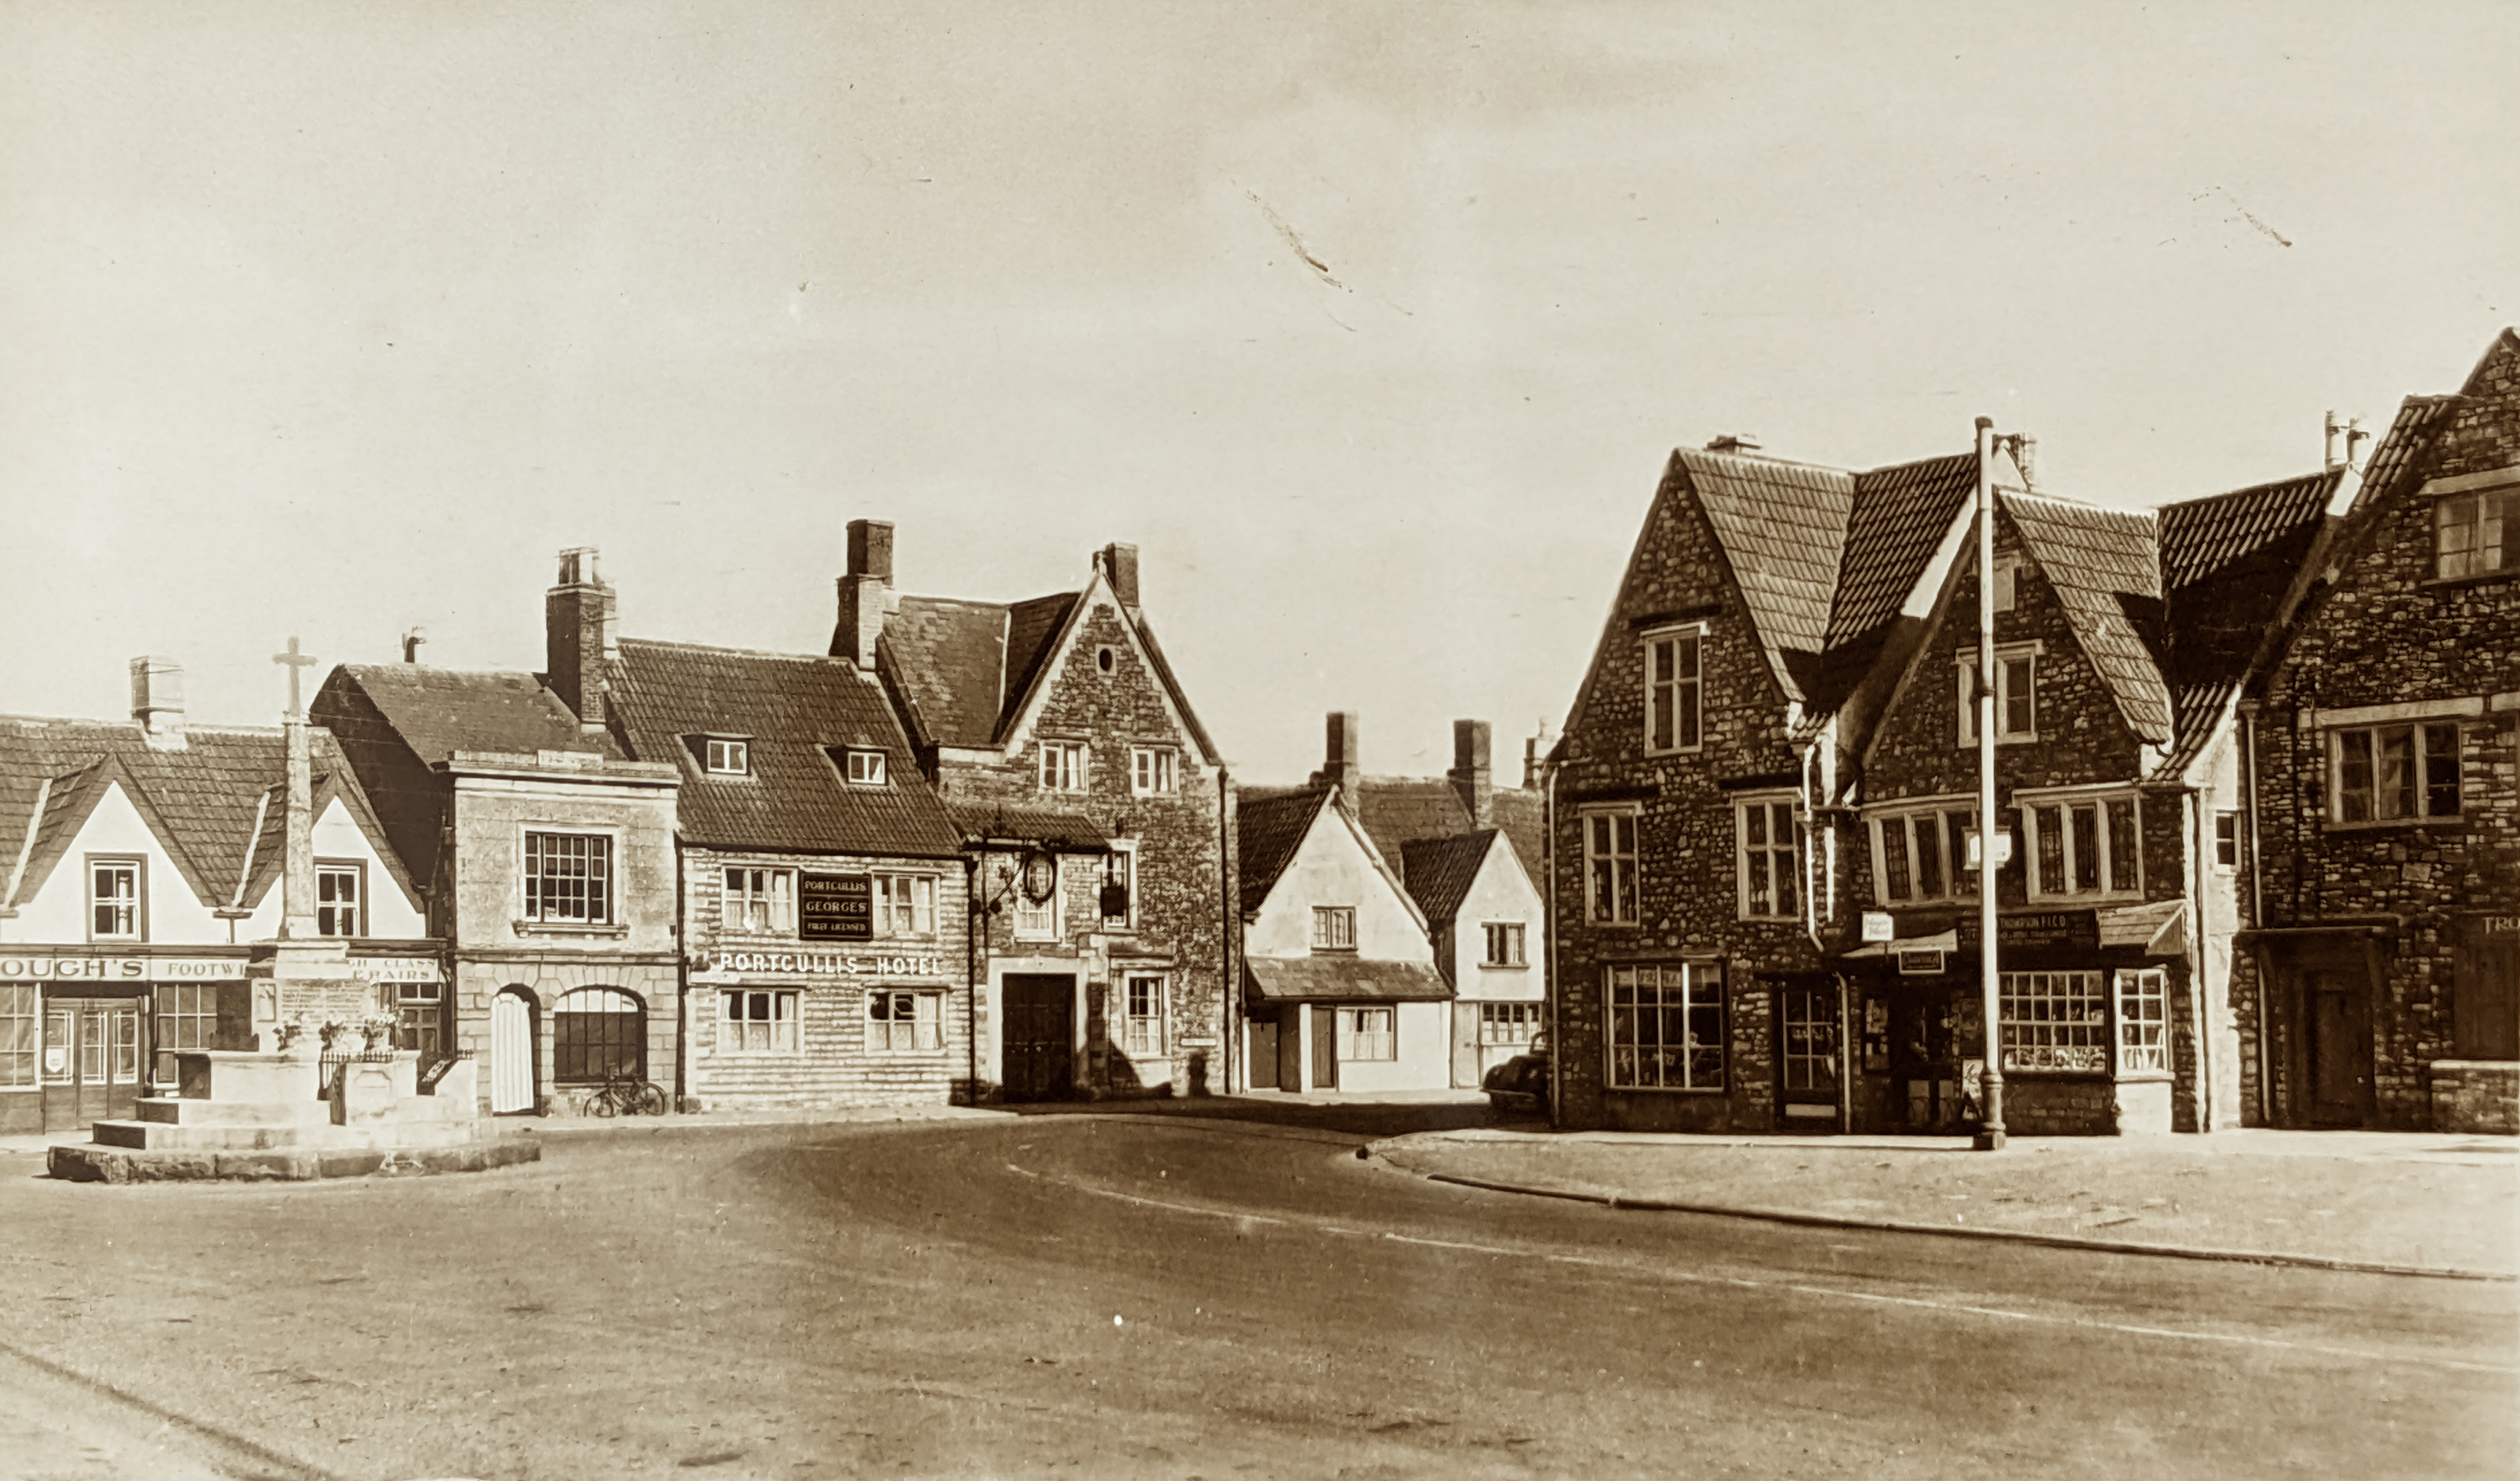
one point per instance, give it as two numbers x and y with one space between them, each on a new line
865 593
871 549
1734 442
157 701
1339 753
1120 565
579 636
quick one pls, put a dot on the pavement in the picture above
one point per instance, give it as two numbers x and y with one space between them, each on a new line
2390 1201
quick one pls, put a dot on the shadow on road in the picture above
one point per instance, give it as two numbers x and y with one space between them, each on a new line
1362 1118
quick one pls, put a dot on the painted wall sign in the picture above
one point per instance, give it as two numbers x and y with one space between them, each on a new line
122 968
835 907
2045 930
821 963
395 970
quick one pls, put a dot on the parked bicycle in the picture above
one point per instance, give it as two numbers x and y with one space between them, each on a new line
624 1095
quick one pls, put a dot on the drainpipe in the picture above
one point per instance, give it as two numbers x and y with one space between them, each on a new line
972 980
682 978
1228 989
1552 988
2257 900
2200 956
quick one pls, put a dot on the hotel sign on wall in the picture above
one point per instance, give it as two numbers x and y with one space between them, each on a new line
835 907
726 965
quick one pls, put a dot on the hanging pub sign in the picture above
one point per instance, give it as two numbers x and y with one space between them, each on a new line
2045 930
835 907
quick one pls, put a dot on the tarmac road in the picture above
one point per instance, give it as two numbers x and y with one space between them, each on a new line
1101 1295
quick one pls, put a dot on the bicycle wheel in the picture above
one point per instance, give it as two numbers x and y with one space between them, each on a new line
651 1099
601 1101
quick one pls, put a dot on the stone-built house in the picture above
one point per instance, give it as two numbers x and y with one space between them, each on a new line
1340 989
2379 980
544 854
1094 809
1764 805
141 900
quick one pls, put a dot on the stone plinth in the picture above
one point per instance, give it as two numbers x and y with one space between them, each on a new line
236 1076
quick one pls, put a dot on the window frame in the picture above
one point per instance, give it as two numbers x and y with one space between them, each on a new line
136 905
2085 1039
1507 1025
1064 767
861 766
420 1018
1351 1034
927 1024
2227 840
781 1032
1957 881
1626 888
779 912
2497 506
726 755
2421 732
1692 976
1124 855
1331 923
326 911
2031 804
1509 935
1142 1033
181 1015
1767 808
2007 654
2139 1040
1154 771
1048 920
21 1036
525 854
1688 686
894 889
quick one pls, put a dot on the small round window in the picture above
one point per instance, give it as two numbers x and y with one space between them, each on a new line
1106 660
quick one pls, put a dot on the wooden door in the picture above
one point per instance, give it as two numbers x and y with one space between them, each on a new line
1290 1047
2340 1049
91 1061
1040 1036
1260 1036
512 1055
1808 1057
1324 1047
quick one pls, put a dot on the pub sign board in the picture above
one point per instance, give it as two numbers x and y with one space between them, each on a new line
2043 930
835 907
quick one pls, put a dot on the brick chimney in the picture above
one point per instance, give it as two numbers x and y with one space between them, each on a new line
1120 565
1339 766
1734 442
157 701
865 593
579 636
1469 774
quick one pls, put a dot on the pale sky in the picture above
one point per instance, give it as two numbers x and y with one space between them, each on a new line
330 320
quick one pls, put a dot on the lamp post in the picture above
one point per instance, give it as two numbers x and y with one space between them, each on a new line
1990 1134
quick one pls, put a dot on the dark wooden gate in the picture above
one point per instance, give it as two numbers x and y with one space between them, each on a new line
91 1060
2340 1047
1040 1036
1324 1047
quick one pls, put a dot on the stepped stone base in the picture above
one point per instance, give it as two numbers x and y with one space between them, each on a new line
98 1163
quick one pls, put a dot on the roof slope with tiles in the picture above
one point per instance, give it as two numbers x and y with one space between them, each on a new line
2229 562
214 804
440 711
1439 872
792 710
1270 825
2103 565
1398 811
1783 527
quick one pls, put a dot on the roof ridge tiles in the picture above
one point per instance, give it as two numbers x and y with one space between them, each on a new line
827 660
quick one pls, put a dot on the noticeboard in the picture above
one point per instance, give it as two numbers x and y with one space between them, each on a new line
835 906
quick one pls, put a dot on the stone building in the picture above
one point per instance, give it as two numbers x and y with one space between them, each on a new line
141 901
1095 811
2380 977
545 856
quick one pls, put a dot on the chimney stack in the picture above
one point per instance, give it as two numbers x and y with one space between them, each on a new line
1120 564
1534 757
411 639
1734 442
1469 775
1339 766
157 701
579 636
865 593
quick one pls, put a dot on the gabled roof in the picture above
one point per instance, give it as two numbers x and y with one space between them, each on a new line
204 802
1783 527
1398 811
2229 564
1270 825
791 709
1439 872
2104 566
1901 515
1025 822
440 711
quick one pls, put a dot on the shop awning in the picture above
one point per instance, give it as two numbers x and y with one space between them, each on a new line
1341 979
1939 941
2159 928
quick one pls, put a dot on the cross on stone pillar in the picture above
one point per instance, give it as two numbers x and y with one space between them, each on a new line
297 851
295 661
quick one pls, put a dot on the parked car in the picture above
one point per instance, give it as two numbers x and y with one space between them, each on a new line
1522 1083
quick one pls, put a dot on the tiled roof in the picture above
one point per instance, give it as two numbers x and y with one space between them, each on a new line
950 658
1023 822
1783 527
1441 871
2228 563
1270 825
440 711
1398 810
1030 628
1523 817
1901 515
200 800
788 708
1342 979
2103 565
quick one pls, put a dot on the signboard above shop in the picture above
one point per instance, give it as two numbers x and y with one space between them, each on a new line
2043 930
835 907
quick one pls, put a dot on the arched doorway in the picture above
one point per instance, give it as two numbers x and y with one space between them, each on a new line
596 1033
512 1052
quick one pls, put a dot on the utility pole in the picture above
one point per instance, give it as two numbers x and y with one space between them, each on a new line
1990 1135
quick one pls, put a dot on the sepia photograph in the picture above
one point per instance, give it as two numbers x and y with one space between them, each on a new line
1664 739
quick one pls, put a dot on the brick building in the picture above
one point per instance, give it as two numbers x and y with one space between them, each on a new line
2379 984
1094 809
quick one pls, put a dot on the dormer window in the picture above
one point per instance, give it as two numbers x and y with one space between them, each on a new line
722 756
863 768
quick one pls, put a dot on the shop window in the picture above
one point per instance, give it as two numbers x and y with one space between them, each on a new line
1675 686
761 900
2394 773
340 897
2144 1022
2054 1021
568 878
905 905
420 1018
1334 927
2084 846
1141 1019
19 1034
1154 771
1667 1026
1368 1034
757 1022
188 1017
597 1033
114 900
1507 1025
1062 767
900 1022
1767 863
1611 884
2017 695
2471 534
1504 943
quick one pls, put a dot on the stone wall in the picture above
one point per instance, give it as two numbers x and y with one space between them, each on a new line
2473 1096
544 980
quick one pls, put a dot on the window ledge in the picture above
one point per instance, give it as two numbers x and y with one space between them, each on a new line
1661 1090
2487 578
1334 951
2144 1077
1505 967
562 929
2386 824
